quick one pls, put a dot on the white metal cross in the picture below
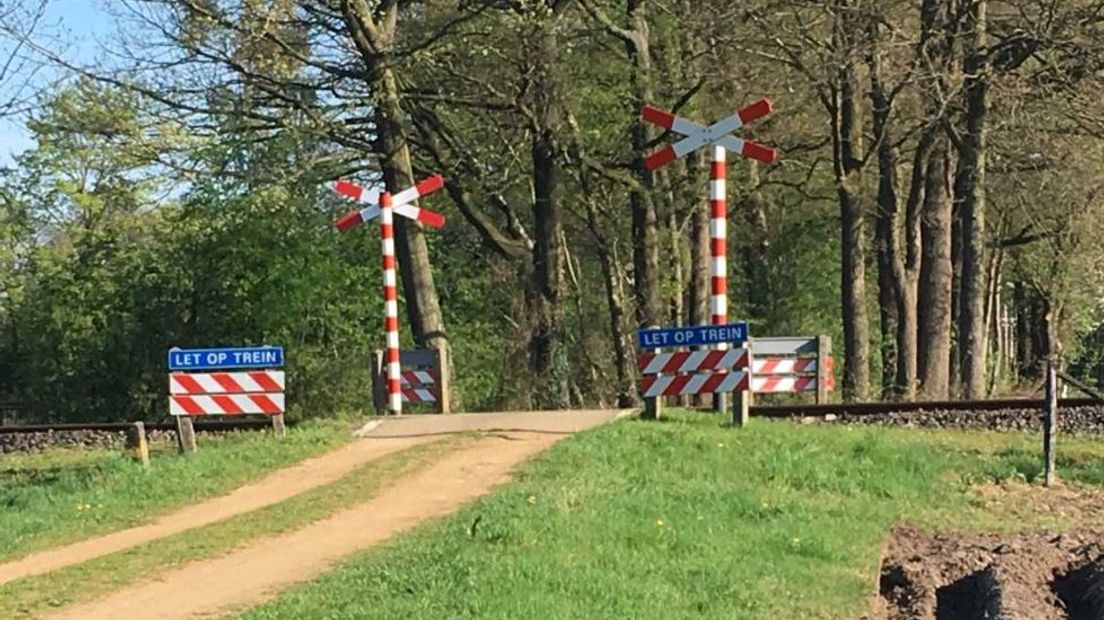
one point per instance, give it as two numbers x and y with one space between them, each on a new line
698 135
400 202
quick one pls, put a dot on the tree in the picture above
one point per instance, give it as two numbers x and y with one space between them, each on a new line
829 65
970 194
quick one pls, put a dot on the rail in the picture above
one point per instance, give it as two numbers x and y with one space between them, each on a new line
882 408
207 426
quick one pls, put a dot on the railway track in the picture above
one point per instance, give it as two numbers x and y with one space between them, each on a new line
34 437
118 427
1075 415
1083 415
885 408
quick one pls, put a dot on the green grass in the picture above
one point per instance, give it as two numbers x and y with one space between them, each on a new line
30 597
65 495
685 519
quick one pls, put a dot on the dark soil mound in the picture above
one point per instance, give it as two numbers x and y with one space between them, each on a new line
992 577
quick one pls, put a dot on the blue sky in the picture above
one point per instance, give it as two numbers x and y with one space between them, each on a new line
81 24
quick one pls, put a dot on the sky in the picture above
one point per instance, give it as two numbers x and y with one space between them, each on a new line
80 24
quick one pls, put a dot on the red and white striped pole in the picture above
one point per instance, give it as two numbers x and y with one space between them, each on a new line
391 304
388 205
718 249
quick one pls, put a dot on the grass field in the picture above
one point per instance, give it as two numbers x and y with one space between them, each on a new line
27 598
685 519
65 495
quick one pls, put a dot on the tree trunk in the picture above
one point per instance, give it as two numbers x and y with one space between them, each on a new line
645 225
907 274
886 222
423 308
889 313
971 326
698 306
936 269
994 324
678 266
856 369
547 350
678 274
1023 307
856 378
956 281
375 43
622 351
934 300
756 249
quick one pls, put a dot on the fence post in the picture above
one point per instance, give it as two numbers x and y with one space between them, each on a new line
444 385
185 434
719 399
136 445
741 399
652 405
278 425
823 372
1050 423
750 346
379 390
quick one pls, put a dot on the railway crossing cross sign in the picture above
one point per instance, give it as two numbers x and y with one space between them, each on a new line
401 203
697 136
718 135
383 205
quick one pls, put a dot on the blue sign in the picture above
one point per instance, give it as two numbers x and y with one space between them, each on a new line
697 336
234 357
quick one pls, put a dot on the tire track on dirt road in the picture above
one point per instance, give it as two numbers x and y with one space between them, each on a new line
261 570
271 489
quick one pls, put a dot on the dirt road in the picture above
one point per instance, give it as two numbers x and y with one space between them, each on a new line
261 570
271 489
257 573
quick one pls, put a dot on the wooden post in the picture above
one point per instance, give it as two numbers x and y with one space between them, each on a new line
278 425
185 434
740 408
749 344
379 383
824 351
741 400
1050 423
652 405
444 385
136 445
719 402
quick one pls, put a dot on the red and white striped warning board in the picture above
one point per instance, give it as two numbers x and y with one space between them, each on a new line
226 393
692 361
418 386
694 383
784 366
782 375
226 382
776 384
418 395
418 377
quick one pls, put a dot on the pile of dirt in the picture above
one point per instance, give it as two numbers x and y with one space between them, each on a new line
991 576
